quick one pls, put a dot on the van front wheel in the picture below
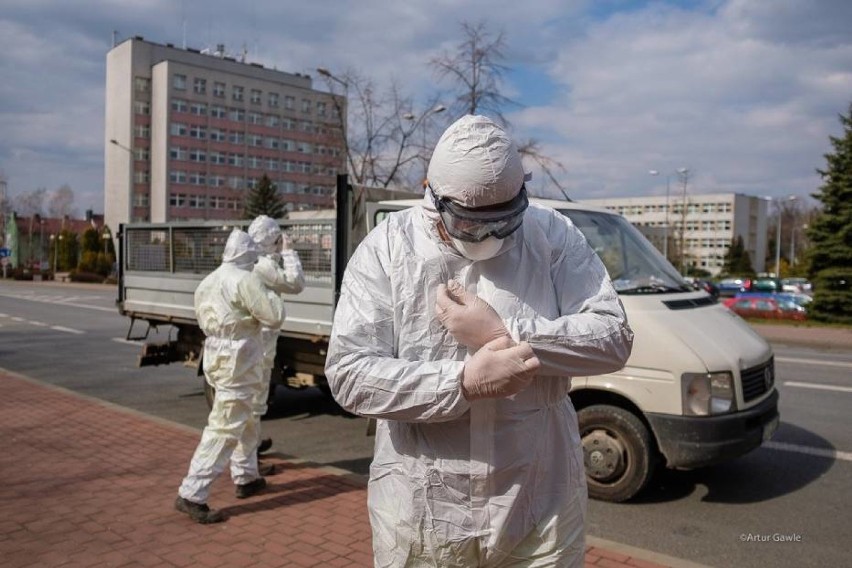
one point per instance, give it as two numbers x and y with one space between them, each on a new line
617 452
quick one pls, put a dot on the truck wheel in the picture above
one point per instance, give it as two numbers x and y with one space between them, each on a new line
617 452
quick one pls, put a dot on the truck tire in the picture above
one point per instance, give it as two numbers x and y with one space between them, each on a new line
618 452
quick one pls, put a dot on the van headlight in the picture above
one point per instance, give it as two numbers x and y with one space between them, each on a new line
708 393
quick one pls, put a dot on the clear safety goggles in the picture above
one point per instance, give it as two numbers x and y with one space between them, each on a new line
475 224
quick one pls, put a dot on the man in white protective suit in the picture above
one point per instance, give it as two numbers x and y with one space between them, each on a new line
280 269
459 327
232 306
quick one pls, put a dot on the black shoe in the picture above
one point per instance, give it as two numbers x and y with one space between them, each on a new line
249 489
199 512
264 445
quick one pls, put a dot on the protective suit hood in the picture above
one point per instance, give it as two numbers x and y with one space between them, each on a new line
476 164
239 249
264 231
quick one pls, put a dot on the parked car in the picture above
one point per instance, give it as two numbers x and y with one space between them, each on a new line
730 287
771 285
800 299
797 285
766 308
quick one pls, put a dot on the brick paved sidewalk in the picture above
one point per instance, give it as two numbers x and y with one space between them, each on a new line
88 483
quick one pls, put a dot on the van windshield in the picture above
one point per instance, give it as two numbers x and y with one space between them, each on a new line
634 265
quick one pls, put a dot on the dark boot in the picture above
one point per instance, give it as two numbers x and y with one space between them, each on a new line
199 512
264 445
249 489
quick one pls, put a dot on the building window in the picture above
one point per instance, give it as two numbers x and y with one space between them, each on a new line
237 115
272 164
141 154
142 84
219 90
251 183
255 140
177 176
177 199
179 82
271 143
142 131
217 135
179 105
272 120
236 160
235 182
142 107
196 178
196 155
198 132
140 199
198 109
289 102
218 158
255 118
237 93
321 109
254 162
217 111
215 181
273 100
256 96
141 177
197 201
177 153
199 86
236 138
306 106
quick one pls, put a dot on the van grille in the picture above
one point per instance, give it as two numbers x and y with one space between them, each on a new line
758 380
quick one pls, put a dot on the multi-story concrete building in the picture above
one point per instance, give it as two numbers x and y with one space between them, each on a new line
711 222
188 133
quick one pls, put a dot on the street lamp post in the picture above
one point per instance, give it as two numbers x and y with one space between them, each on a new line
55 239
683 172
420 122
129 151
778 201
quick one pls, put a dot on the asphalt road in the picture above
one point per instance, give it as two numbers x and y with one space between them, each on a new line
797 487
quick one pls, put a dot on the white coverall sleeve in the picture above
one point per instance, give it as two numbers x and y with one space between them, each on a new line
363 371
591 336
285 277
263 304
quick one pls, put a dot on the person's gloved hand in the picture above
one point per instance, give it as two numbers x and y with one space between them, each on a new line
499 369
469 318
285 242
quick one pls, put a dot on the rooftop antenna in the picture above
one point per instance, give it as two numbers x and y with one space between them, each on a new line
244 54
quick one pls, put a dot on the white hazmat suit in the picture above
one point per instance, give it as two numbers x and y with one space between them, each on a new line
232 306
488 481
279 268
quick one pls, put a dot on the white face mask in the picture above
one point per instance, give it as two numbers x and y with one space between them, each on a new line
482 250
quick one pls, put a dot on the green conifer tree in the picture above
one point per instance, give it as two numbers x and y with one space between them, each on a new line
264 200
737 261
830 233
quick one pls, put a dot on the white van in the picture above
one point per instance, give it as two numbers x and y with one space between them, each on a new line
699 387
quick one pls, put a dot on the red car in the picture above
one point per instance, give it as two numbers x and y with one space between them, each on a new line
766 308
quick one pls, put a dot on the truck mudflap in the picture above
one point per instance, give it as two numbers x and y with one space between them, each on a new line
689 442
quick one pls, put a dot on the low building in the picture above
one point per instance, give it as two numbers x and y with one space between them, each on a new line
30 240
711 222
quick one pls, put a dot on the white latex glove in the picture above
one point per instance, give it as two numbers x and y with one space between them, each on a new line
285 242
499 369
469 318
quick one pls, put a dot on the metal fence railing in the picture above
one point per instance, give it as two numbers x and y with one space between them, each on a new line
197 249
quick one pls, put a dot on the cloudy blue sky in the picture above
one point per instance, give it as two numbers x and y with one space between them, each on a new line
742 92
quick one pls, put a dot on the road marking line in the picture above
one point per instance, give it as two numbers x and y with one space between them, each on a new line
66 329
817 386
814 362
38 323
14 318
127 341
4 315
819 452
59 300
